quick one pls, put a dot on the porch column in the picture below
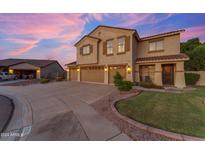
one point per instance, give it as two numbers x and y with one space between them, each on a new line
38 74
78 72
68 73
179 77
129 72
158 74
137 73
106 78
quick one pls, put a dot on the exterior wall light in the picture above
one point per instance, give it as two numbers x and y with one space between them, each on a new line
78 69
128 69
105 69
38 71
11 71
67 69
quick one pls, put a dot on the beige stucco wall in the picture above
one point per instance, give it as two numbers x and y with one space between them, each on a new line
171 46
179 80
24 66
201 81
87 59
104 34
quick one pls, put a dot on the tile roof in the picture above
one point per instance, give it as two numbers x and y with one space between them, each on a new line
35 62
72 63
162 35
181 56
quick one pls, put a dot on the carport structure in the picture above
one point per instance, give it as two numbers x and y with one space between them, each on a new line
32 68
25 69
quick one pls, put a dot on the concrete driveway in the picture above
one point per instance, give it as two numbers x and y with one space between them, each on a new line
6 109
62 111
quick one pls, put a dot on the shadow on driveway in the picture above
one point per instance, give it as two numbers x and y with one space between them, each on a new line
6 110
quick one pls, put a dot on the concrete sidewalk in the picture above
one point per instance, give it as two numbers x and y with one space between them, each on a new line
62 111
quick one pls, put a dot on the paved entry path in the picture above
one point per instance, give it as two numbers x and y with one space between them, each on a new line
63 111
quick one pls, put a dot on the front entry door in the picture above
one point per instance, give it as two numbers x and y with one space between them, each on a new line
168 74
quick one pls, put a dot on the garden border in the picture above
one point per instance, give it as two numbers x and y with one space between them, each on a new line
168 134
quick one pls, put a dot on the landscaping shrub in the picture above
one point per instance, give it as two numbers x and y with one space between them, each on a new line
44 81
191 78
59 78
121 84
150 84
117 79
125 86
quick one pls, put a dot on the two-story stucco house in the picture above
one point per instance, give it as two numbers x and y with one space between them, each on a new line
106 50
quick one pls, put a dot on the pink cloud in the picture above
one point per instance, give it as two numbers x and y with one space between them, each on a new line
64 27
22 41
40 25
22 50
131 20
191 32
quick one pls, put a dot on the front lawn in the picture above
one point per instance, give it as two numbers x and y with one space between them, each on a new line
181 113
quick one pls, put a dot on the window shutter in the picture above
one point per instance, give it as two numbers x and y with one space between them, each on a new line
127 43
81 50
104 48
91 49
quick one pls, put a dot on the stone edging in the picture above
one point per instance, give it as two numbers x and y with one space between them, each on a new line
21 121
171 135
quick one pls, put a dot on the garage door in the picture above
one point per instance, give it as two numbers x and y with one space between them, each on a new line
73 74
92 74
114 69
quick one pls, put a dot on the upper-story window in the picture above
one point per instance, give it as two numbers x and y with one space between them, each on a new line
110 47
156 45
86 50
121 44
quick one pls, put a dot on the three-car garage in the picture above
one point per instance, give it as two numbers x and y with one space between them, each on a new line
96 74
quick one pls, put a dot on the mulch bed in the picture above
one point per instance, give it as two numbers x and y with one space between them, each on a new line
104 108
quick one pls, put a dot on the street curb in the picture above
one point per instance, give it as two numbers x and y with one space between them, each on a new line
21 121
171 135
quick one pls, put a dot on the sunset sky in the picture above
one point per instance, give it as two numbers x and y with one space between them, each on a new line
52 36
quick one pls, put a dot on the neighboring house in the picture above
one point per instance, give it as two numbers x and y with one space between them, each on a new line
32 68
106 50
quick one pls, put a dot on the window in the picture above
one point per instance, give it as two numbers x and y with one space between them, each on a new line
147 73
86 49
109 47
121 44
155 46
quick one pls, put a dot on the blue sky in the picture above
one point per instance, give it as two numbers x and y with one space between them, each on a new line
52 36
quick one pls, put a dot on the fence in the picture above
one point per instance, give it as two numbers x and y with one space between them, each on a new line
201 81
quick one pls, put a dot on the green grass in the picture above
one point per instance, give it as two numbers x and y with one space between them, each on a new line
181 113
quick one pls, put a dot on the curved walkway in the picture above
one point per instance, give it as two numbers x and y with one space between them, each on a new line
6 110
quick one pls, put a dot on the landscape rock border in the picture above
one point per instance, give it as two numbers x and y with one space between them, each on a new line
168 134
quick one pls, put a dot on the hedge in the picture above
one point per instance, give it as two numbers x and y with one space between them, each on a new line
191 78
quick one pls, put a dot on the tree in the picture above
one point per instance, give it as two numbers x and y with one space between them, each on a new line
196 52
197 59
189 46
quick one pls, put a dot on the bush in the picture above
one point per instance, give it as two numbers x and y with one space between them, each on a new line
125 86
191 78
150 84
117 79
44 81
59 78
121 84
